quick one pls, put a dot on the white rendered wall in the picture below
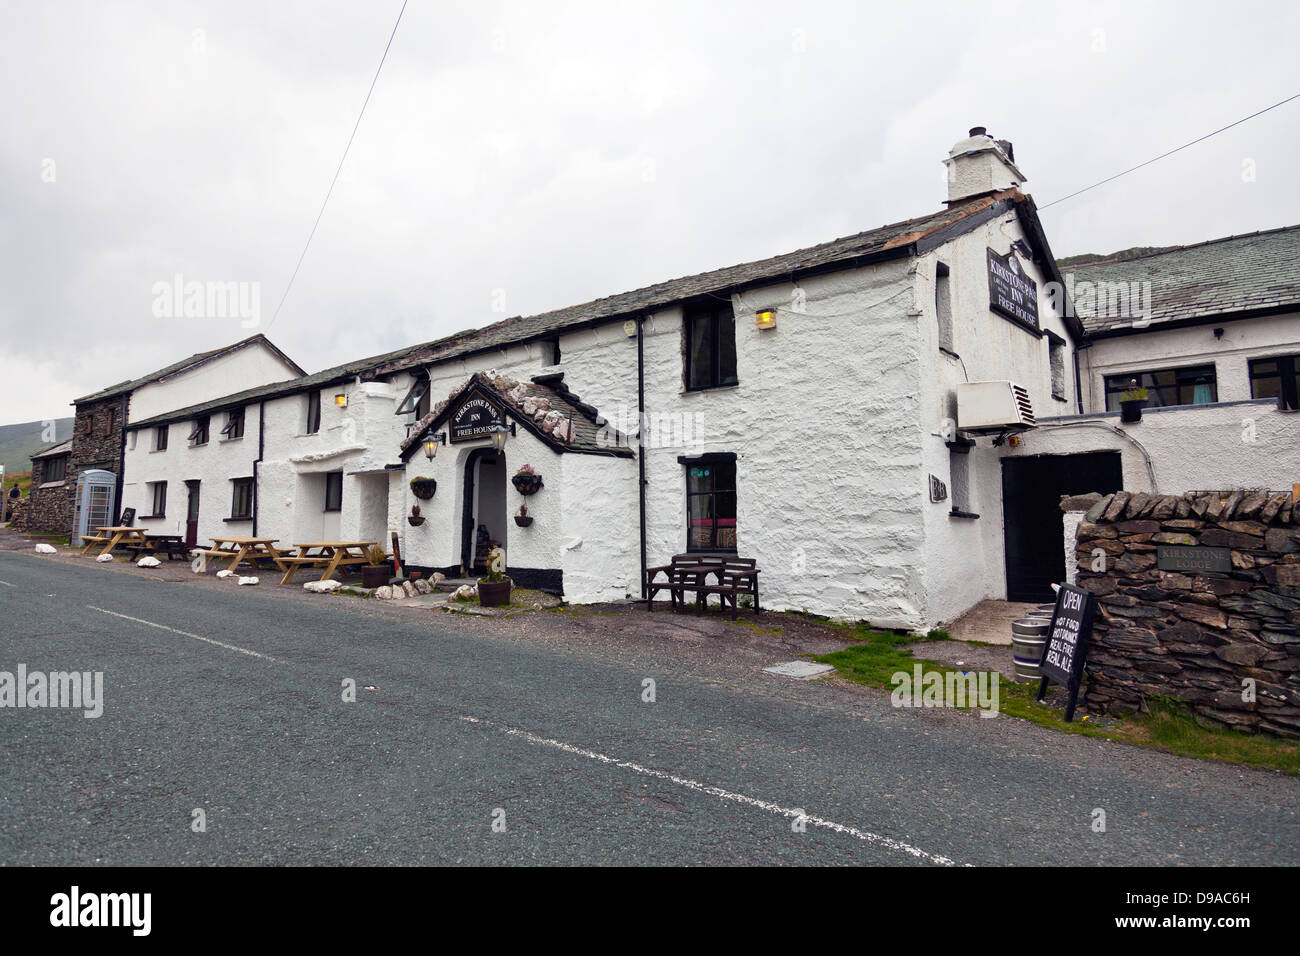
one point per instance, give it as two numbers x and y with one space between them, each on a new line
248 367
964 557
214 465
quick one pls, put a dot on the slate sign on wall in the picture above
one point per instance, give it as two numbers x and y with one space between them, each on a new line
476 417
1174 557
1011 292
1067 642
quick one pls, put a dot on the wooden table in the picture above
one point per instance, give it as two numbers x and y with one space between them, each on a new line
240 549
114 535
330 555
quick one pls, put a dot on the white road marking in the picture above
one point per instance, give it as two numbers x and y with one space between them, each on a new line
197 637
863 835
8 585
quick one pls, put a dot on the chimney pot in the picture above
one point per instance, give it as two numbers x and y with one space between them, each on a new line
978 131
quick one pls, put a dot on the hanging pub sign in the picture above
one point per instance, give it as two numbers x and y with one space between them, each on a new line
477 417
1011 292
1067 643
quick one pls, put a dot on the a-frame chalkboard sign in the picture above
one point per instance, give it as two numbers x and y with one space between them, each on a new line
1067 643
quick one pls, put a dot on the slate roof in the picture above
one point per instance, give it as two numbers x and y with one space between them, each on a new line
62 448
197 359
897 239
1197 283
544 405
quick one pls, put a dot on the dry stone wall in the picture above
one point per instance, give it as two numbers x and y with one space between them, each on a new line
1200 636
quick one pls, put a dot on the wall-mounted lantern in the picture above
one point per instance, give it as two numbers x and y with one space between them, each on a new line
499 434
341 400
431 445
765 319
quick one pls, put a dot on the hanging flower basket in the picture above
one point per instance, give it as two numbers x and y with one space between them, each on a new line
527 484
523 520
423 487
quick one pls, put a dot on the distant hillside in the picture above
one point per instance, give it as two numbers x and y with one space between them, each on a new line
19 442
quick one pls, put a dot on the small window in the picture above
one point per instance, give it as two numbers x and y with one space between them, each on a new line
241 504
710 348
1193 385
55 469
199 434
1056 359
90 423
417 398
551 352
334 491
313 412
959 482
112 420
160 438
711 504
234 424
1277 378
158 499
943 306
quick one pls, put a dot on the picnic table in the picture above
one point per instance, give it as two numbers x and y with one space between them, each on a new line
112 536
734 577
172 545
240 549
330 555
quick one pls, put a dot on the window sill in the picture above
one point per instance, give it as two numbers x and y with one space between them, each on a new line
150 517
329 511
225 440
228 520
955 513
710 388
155 451
51 484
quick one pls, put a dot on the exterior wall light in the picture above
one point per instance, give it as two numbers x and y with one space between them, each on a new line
499 434
766 319
341 400
431 445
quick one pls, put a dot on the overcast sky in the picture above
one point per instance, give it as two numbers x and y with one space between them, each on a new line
528 156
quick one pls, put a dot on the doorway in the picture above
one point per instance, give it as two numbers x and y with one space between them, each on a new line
192 514
483 521
1033 525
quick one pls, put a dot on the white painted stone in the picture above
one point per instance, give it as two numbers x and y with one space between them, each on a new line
800 670
147 562
248 580
410 589
225 573
43 548
384 593
104 558
423 586
321 587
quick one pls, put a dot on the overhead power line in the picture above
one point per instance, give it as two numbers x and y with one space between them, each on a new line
329 192
1171 152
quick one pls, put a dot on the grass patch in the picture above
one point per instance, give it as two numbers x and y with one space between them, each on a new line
1170 726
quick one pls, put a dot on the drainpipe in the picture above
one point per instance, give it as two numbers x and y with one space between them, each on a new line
640 435
121 455
1078 394
257 465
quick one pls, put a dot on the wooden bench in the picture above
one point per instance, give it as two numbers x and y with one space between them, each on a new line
732 578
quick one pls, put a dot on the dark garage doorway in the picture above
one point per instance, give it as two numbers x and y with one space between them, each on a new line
1032 523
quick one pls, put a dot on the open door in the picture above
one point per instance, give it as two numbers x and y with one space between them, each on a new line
192 514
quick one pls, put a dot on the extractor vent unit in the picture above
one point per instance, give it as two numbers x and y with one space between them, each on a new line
985 408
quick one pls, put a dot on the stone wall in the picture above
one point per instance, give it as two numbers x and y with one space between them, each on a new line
49 510
1196 636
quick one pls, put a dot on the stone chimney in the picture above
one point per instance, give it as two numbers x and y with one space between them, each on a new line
980 165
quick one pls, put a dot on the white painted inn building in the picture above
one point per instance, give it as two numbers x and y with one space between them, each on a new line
885 422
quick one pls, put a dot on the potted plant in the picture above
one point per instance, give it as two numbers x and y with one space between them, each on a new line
414 519
527 481
423 487
494 587
1131 402
375 572
523 519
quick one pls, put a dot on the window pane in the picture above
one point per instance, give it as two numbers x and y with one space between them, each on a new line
700 522
701 354
725 476
727 348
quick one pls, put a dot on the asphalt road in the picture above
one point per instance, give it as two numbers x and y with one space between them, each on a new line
229 700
